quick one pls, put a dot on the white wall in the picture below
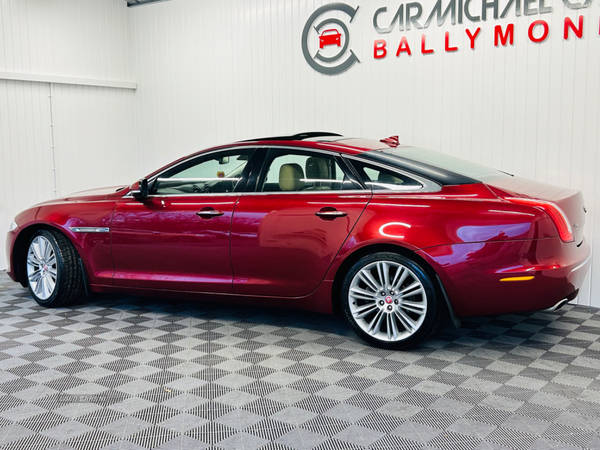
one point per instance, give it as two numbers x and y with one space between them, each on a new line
213 72
94 134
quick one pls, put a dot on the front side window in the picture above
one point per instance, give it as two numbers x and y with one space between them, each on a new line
294 171
379 178
216 173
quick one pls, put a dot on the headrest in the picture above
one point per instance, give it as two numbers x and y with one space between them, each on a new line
388 179
317 168
291 177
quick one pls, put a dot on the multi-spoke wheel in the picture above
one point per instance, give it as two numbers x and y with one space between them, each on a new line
390 301
53 272
42 267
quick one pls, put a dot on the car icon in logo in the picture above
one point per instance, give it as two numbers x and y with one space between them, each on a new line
330 37
329 31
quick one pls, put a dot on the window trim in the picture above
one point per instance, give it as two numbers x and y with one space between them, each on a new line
427 185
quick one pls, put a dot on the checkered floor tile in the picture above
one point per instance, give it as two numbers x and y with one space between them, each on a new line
135 373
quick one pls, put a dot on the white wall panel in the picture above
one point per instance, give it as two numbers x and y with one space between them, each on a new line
94 137
26 175
93 127
78 38
211 72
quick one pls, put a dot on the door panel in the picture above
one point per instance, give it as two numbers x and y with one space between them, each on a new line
174 242
281 247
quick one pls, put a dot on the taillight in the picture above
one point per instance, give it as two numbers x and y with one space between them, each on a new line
555 212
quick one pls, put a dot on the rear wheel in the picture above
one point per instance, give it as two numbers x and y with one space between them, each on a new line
390 301
53 272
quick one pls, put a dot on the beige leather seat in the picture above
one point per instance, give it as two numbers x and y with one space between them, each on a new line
291 177
318 169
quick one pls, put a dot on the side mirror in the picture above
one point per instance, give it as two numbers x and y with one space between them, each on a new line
143 191
144 187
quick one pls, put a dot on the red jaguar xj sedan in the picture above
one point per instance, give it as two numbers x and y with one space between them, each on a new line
392 236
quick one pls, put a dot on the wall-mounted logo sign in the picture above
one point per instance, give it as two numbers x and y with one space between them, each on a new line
325 44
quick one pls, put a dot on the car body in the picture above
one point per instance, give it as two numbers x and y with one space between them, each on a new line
330 37
284 222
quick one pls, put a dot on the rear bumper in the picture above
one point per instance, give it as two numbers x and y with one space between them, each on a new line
509 276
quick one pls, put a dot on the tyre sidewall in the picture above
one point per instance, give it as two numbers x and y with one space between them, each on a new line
50 301
432 303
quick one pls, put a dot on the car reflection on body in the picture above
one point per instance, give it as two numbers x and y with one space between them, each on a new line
394 237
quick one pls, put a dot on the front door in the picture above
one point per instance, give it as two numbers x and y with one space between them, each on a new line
178 237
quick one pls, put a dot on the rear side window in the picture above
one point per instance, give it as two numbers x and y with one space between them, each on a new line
379 178
293 171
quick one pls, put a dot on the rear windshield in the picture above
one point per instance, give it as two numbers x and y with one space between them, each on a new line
446 162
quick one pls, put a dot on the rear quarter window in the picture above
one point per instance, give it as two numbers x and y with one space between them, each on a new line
379 178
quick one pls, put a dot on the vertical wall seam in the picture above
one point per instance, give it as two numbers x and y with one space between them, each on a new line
52 145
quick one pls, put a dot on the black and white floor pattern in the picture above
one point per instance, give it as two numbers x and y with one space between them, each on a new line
137 373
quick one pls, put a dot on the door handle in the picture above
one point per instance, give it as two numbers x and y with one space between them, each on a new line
330 213
209 213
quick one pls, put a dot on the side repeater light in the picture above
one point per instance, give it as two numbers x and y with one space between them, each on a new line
558 216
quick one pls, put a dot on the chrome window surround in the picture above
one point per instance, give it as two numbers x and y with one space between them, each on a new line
425 184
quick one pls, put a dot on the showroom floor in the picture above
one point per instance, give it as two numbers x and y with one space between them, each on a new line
132 373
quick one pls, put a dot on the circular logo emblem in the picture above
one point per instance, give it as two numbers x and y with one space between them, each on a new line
329 40
389 299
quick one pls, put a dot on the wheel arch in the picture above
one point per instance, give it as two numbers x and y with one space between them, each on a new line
19 254
356 255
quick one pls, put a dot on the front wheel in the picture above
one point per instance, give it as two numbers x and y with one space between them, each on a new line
53 272
390 301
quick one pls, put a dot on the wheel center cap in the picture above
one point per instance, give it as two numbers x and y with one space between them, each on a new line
45 268
389 299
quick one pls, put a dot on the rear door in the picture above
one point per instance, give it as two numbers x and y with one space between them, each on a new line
285 235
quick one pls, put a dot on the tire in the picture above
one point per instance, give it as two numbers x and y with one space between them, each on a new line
53 273
383 317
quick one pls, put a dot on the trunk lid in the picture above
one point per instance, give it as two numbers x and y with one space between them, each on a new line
569 200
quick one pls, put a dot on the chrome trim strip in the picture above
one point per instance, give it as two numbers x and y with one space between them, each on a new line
317 192
89 229
205 195
243 194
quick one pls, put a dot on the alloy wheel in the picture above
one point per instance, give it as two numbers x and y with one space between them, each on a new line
387 301
42 270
